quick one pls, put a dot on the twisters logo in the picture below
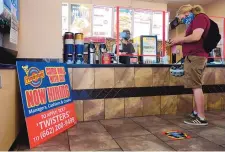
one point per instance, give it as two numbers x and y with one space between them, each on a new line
33 76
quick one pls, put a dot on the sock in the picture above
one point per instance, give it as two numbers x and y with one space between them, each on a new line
195 112
201 118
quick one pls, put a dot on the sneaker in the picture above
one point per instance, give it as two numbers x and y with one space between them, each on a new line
192 115
196 121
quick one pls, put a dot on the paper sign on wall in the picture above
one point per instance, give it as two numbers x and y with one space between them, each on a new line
46 96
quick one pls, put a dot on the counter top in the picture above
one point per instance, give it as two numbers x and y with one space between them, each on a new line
7 66
130 65
11 66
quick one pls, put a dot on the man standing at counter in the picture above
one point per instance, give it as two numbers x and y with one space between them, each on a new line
195 56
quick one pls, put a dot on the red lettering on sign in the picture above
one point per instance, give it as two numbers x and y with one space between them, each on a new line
35 97
51 71
56 93
61 71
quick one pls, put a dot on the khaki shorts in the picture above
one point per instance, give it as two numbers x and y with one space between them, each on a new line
194 67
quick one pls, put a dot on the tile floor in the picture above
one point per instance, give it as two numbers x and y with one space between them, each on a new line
136 134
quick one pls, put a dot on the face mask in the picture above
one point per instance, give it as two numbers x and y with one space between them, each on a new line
125 35
187 20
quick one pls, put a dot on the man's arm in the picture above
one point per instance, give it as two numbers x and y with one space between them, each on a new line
194 37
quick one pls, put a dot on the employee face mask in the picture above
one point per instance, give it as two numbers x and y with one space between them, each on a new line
124 35
187 20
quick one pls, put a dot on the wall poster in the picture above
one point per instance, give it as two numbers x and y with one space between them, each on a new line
102 21
81 16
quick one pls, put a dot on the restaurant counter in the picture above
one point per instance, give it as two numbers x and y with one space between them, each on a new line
118 90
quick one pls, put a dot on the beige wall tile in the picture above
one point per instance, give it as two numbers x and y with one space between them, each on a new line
143 77
176 81
133 107
219 75
124 77
169 104
104 78
209 76
79 109
205 101
185 103
151 105
223 101
215 101
94 110
114 108
161 76
83 78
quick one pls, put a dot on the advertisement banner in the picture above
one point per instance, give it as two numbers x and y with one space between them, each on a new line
81 16
46 97
102 21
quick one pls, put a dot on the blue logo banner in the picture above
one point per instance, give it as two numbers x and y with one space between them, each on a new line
43 86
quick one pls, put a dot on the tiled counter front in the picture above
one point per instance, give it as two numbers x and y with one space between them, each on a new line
106 93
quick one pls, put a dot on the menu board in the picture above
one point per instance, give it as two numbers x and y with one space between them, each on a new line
65 18
125 20
157 25
142 22
81 15
102 21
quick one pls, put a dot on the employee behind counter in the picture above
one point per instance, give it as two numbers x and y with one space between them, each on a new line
125 47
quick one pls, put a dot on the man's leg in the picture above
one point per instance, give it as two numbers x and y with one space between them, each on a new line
199 102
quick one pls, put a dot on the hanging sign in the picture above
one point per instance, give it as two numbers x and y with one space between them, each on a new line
46 97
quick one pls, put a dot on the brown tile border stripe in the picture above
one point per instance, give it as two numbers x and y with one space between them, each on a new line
88 94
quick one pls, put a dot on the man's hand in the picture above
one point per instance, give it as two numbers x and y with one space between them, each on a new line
176 41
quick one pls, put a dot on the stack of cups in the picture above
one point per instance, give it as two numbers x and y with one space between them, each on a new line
68 48
79 48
